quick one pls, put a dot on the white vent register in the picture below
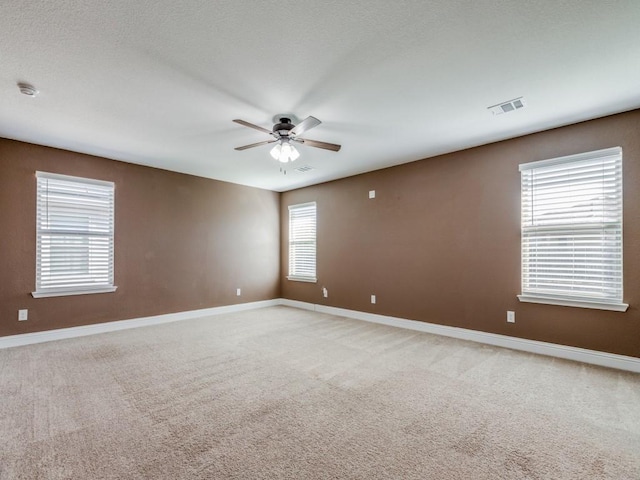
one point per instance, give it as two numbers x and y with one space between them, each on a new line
508 106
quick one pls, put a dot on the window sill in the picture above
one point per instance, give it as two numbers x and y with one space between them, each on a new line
64 293
567 302
302 279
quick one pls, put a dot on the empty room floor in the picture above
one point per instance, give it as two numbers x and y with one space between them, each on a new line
282 393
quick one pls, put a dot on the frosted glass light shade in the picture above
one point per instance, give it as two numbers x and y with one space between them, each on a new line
275 151
285 153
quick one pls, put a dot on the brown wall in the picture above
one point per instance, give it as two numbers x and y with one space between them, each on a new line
441 241
181 242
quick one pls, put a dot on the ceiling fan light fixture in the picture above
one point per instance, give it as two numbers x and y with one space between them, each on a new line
284 152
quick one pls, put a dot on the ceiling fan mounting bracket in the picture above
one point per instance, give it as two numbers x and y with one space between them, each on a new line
292 117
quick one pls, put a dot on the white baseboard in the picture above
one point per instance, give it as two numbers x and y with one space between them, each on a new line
603 359
620 362
297 304
81 331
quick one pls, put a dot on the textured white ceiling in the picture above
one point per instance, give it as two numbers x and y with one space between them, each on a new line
157 82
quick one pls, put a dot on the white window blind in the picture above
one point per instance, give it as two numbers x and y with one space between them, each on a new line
74 235
302 242
572 230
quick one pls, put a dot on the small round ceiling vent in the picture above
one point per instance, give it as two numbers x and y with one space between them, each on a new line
27 89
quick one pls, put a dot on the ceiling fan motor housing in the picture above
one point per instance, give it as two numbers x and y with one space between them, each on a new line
283 127
286 132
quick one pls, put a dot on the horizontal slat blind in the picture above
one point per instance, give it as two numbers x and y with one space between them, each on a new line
302 241
572 227
75 226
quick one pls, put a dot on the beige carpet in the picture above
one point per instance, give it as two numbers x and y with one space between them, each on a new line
285 393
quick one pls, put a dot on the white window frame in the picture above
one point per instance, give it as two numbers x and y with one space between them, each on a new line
572 231
63 202
303 242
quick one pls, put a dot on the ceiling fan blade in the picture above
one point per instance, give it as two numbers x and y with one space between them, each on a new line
244 147
314 143
251 125
307 124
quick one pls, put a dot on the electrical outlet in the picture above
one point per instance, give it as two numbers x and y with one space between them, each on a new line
373 299
238 292
325 292
372 194
511 316
23 315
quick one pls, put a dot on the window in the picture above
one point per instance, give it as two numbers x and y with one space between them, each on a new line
302 242
572 230
74 235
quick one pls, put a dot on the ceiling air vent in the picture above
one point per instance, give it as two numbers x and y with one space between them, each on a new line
304 169
509 106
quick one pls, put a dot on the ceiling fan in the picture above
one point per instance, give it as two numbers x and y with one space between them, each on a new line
284 133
